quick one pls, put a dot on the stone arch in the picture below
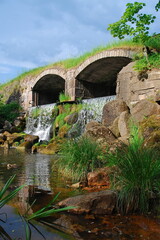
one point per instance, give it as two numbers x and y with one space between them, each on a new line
47 86
96 77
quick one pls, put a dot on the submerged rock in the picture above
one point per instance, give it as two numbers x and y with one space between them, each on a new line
102 202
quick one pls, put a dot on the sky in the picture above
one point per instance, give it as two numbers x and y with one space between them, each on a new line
35 33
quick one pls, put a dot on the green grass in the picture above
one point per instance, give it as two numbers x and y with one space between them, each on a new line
143 65
138 174
78 157
73 62
64 97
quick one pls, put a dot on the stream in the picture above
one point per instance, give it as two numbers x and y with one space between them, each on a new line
42 182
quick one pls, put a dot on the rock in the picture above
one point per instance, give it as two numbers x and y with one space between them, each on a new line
100 177
149 125
15 137
99 133
123 123
143 109
7 126
102 202
153 140
76 185
114 128
6 145
27 145
112 110
31 138
72 118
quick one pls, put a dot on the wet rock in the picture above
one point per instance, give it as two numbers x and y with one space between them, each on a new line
143 109
15 137
112 110
69 224
31 138
123 123
102 202
27 145
6 145
72 118
100 177
99 133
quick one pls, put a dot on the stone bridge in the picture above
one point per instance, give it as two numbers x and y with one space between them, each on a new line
98 76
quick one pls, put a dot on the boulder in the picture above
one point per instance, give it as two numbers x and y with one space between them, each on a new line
102 202
123 123
112 110
149 125
143 109
114 128
100 177
99 133
31 138
27 145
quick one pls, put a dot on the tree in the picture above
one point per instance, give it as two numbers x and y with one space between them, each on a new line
157 7
133 23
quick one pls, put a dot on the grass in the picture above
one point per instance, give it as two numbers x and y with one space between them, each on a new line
64 97
138 176
73 62
153 62
78 157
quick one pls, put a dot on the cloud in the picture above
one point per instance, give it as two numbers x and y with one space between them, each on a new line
38 32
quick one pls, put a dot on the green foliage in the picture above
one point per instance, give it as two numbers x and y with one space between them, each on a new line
138 174
133 23
154 42
157 7
78 157
64 97
144 64
8 111
5 199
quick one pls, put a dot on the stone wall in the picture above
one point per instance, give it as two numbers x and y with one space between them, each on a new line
133 86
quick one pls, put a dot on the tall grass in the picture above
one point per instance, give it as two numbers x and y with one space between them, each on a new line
138 175
78 157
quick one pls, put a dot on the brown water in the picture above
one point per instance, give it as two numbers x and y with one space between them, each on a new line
42 182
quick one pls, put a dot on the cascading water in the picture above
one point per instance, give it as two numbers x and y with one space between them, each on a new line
92 111
39 121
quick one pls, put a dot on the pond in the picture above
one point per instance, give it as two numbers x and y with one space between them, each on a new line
42 182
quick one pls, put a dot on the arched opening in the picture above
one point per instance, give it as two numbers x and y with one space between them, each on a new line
47 89
99 78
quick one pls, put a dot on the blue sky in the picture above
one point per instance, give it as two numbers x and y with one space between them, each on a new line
39 32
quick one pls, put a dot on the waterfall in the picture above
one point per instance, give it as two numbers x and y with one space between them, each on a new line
92 111
39 120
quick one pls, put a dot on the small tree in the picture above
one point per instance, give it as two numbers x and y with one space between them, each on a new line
133 23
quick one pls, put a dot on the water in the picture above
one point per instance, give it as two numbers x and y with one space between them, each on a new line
43 181
39 120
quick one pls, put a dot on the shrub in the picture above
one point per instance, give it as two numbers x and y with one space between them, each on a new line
138 174
78 157
8 111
